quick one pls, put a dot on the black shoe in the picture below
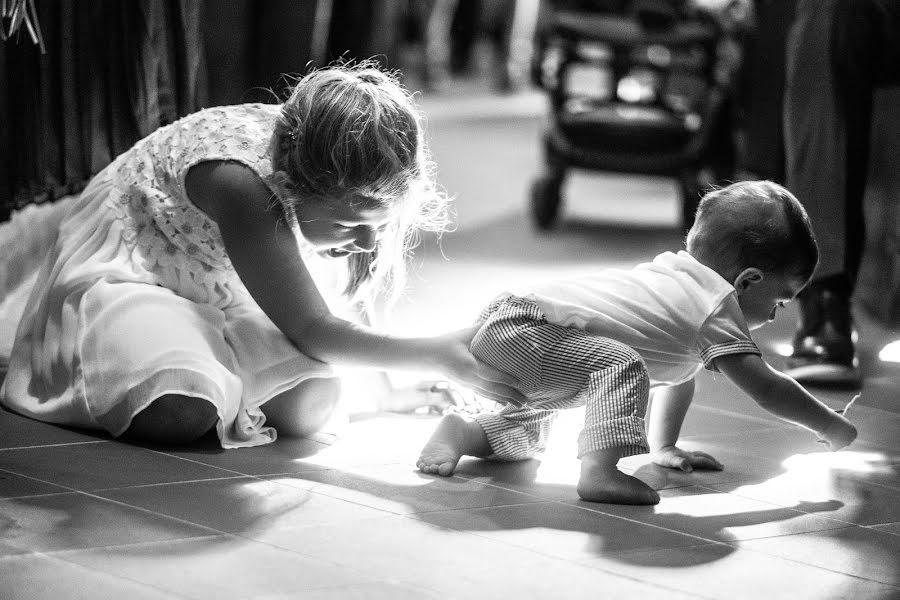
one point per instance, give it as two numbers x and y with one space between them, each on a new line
824 352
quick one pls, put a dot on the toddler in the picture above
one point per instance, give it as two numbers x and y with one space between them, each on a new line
207 278
606 340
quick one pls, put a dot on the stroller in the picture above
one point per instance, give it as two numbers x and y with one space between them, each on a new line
634 86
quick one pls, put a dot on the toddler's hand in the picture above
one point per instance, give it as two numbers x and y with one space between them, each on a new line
839 434
676 458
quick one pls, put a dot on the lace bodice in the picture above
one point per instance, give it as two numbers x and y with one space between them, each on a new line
174 239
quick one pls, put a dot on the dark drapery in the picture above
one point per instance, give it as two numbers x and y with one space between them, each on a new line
113 72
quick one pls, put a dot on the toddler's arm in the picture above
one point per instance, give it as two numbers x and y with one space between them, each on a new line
785 398
264 254
670 405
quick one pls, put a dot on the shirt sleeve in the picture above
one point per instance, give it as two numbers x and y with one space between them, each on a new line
724 332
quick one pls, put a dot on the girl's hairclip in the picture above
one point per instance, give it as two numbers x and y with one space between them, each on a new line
294 132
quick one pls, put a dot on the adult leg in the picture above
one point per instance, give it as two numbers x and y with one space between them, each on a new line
817 154
859 42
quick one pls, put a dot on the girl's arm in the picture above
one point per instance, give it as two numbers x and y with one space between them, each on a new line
670 405
263 250
785 398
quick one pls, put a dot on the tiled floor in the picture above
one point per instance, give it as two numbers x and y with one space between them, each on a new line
83 516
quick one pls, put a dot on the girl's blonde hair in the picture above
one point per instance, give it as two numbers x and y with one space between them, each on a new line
352 130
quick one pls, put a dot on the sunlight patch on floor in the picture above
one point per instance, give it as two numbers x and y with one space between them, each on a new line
817 477
891 352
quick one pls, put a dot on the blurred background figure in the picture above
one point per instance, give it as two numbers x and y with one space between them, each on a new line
508 28
839 53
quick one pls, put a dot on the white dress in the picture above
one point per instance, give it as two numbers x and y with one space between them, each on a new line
136 296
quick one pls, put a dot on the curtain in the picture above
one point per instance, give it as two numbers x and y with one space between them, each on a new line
113 72
252 44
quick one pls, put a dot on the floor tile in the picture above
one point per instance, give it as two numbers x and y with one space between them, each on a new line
402 489
775 445
363 591
546 578
41 577
547 477
379 439
66 521
103 465
724 572
246 506
720 517
876 427
739 466
285 455
822 479
219 567
12 485
22 432
858 551
455 564
559 530
702 421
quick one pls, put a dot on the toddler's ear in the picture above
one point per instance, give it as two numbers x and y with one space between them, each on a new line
746 278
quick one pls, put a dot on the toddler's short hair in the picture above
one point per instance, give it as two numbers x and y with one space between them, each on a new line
753 224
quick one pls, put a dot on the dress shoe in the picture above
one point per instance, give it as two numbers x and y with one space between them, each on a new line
824 351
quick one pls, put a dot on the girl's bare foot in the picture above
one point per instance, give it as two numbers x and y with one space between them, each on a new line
602 481
453 438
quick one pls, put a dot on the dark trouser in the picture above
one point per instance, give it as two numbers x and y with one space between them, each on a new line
838 53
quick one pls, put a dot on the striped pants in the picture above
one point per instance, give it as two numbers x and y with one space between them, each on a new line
560 367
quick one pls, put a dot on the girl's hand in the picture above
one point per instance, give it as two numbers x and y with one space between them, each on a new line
456 362
676 458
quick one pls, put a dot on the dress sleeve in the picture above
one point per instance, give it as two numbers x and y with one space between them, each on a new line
724 332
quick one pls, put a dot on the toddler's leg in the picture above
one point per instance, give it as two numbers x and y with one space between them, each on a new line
511 338
602 481
614 428
454 438
616 392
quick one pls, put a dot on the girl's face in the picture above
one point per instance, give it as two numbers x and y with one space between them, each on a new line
340 228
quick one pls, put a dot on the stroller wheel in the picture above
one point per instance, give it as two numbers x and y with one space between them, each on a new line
545 201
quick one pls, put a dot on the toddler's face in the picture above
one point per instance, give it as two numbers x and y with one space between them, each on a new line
341 227
762 299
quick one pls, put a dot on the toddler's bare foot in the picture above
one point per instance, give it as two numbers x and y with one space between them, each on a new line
453 438
604 482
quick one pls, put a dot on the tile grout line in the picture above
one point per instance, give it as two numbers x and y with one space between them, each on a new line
62 444
56 556
571 561
820 567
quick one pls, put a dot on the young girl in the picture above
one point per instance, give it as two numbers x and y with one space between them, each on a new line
206 276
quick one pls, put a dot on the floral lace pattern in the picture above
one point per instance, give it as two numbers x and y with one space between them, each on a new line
175 240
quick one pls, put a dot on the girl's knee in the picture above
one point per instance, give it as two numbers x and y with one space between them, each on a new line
173 419
303 409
